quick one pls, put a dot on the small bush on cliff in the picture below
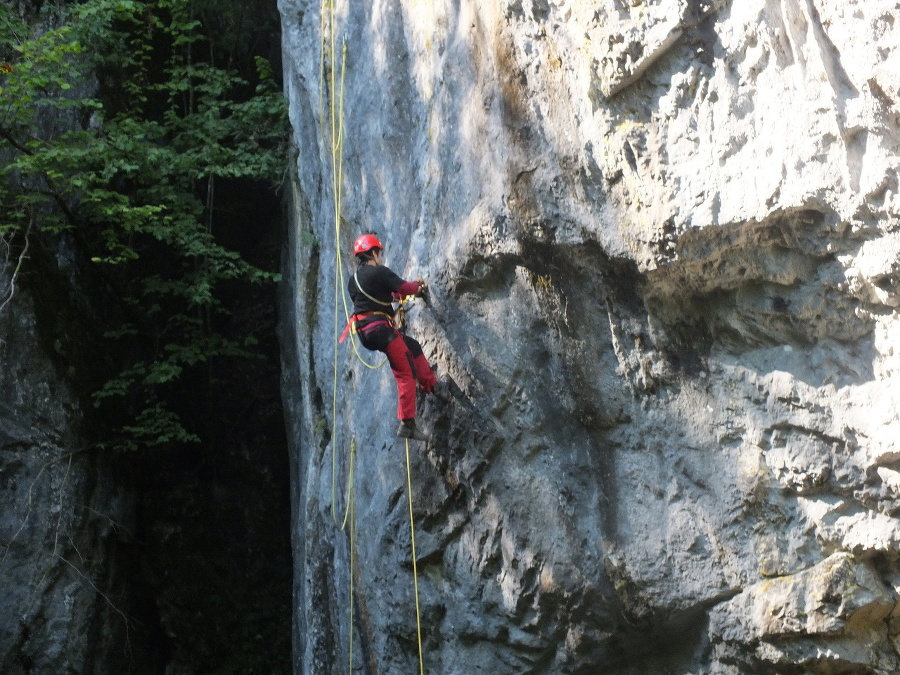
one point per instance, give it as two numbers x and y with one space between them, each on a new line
117 128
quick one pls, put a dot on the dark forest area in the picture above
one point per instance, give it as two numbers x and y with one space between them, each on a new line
143 147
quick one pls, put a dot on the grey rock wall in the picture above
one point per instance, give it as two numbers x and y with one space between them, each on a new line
62 609
65 602
662 245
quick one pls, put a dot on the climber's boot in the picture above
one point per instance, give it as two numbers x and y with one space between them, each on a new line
408 429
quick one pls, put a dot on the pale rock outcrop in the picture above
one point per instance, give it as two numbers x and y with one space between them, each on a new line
661 239
830 617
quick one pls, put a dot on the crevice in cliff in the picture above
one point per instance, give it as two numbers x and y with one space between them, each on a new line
669 641
765 295
321 427
322 627
363 619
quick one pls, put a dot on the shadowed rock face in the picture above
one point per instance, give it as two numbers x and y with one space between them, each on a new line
61 510
662 246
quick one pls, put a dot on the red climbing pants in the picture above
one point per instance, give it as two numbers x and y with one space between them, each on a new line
409 366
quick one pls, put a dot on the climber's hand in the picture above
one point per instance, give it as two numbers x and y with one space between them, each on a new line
423 288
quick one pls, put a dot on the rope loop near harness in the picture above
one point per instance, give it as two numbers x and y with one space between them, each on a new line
363 291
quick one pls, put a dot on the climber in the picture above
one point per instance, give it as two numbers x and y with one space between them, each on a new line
372 288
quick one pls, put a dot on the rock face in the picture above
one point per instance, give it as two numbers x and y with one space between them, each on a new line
662 240
64 588
62 608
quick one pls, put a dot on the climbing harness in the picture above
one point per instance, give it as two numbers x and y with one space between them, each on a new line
396 319
351 329
351 320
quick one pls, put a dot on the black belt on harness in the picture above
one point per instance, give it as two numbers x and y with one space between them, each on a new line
367 321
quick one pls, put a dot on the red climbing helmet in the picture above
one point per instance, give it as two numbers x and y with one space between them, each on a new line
366 243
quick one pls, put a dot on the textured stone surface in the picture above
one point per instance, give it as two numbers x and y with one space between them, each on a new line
661 240
61 609
64 605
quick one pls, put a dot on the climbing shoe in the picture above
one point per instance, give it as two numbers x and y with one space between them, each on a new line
408 429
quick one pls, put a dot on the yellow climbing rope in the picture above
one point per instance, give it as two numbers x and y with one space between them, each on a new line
351 500
336 143
337 163
412 536
337 167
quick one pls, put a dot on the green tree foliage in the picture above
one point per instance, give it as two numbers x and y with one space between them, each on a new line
116 127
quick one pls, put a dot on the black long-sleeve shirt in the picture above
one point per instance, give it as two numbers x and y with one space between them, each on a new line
378 281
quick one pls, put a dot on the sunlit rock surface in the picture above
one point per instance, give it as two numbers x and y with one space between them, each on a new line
662 244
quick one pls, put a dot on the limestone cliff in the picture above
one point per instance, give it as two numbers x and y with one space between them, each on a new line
662 240
61 509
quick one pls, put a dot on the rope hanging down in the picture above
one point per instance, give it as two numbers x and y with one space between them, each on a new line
336 143
336 106
337 167
412 537
337 182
